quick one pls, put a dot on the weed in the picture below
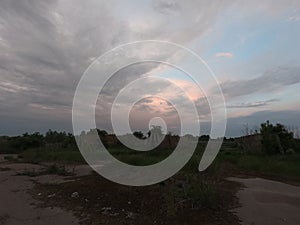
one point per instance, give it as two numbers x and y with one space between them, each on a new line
52 170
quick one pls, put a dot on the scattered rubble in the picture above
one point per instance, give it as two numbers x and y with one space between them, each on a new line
51 196
75 195
131 215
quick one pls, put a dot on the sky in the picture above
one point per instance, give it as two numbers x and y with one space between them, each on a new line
252 47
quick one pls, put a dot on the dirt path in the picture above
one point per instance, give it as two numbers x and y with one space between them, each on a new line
17 207
266 202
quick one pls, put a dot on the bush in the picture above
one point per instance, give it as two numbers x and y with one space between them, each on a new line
52 170
201 192
275 139
290 151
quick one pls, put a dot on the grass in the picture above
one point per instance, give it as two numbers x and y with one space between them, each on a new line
201 192
52 155
9 158
282 165
192 191
49 170
188 190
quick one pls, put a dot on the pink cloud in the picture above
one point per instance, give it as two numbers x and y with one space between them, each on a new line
224 54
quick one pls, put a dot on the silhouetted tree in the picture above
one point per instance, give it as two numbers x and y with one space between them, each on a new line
204 138
139 135
275 139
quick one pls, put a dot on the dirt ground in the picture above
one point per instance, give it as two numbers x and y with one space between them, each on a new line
266 202
88 199
17 206
102 202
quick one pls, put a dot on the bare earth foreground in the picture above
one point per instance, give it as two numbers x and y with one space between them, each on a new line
266 202
263 202
18 207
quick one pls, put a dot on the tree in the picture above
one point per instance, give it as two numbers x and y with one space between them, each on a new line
102 133
27 141
275 139
139 135
155 130
204 138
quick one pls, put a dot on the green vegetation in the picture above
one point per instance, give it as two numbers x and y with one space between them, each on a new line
279 153
276 139
201 192
278 156
52 139
51 155
53 169
277 165
272 153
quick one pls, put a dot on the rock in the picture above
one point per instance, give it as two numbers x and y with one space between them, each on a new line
131 215
106 210
75 195
51 196
114 214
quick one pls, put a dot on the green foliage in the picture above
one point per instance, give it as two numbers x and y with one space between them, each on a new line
139 135
204 138
61 139
21 143
50 154
290 151
53 139
51 170
286 165
57 170
9 158
202 193
297 145
171 202
275 139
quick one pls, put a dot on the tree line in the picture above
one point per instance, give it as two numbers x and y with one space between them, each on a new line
275 139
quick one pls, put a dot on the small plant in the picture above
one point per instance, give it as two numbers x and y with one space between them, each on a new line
52 169
170 202
201 193
290 151
57 170
30 173
9 158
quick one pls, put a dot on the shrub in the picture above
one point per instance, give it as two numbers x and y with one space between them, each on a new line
201 193
275 139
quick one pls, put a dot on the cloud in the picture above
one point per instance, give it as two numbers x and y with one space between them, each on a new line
252 104
167 6
225 54
176 94
235 126
45 47
267 7
295 18
269 81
